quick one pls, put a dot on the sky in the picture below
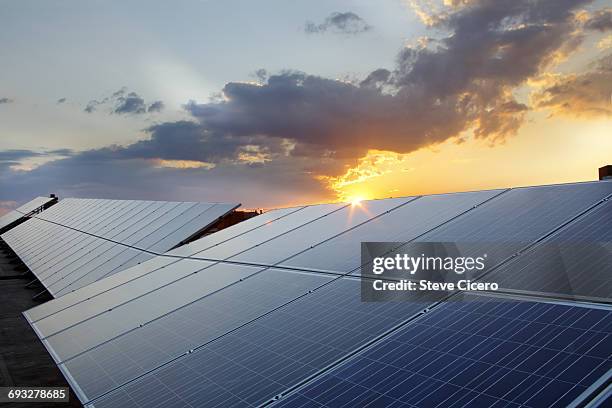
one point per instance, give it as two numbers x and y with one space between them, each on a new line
277 103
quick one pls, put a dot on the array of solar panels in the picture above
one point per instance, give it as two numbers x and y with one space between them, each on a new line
25 210
79 241
269 312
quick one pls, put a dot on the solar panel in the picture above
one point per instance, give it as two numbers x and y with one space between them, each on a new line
574 262
266 232
238 237
9 218
98 287
251 312
79 241
342 254
517 218
182 286
256 361
237 230
308 235
102 368
484 351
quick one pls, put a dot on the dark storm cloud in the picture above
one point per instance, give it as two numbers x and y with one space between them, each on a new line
344 23
601 20
122 102
5 100
585 94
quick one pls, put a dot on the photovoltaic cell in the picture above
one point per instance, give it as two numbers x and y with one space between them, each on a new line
482 352
573 262
257 361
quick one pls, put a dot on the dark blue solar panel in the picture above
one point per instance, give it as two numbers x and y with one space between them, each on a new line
267 356
482 352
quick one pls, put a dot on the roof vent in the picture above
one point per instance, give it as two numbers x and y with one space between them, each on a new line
605 172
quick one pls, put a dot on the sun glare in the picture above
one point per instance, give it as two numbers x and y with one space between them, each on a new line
356 201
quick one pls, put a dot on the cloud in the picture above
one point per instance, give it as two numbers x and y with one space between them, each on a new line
5 100
438 89
17 154
14 159
340 23
284 181
156 106
588 94
292 129
601 20
122 102
20 154
92 106
132 103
